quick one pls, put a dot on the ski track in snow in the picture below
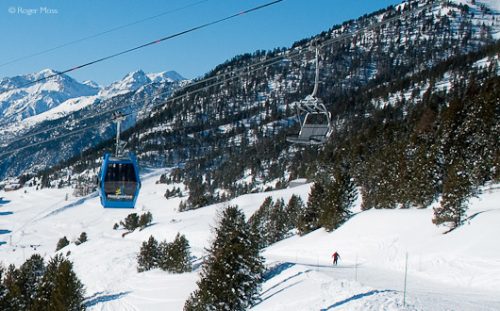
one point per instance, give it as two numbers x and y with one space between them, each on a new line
456 271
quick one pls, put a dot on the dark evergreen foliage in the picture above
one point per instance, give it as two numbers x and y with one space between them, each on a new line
81 239
29 279
60 289
331 198
13 297
148 255
63 242
292 211
134 221
339 198
175 192
36 287
175 257
309 217
131 222
273 221
4 298
145 220
260 221
232 271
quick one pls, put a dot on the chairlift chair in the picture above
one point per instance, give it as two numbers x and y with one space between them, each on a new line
316 126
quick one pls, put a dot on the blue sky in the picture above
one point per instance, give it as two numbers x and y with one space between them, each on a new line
32 26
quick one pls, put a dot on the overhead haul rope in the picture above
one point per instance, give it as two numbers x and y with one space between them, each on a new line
99 34
59 73
236 74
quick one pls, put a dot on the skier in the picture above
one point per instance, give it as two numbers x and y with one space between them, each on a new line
335 257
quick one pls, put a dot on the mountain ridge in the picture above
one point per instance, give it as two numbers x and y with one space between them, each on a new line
20 98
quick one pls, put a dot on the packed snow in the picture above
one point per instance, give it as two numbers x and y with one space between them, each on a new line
459 270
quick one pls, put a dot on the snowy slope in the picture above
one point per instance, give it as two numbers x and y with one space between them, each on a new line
456 271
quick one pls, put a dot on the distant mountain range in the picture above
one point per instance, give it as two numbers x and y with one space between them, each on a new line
19 99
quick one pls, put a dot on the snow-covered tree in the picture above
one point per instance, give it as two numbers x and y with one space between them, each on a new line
60 289
29 278
232 271
148 255
175 256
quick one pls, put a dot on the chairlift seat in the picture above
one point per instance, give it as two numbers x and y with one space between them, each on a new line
314 131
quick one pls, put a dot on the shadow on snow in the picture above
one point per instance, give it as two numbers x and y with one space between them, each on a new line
100 297
71 205
275 271
355 297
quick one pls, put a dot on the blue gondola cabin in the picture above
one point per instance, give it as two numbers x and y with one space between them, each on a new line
119 181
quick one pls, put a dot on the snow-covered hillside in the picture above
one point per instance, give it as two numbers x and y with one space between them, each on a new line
456 271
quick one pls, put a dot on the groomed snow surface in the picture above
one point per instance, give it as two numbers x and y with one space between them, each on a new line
456 271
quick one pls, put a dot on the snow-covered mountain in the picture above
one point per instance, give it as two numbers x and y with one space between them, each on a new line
21 98
137 79
165 76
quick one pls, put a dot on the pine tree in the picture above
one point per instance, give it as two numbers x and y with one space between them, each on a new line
12 299
339 197
259 221
309 217
69 292
292 211
277 227
457 189
29 277
232 272
63 242
423 177
181 248
165 258
47 285
131 222
148 255
175 257
4 302
81 239
145 220
60 289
